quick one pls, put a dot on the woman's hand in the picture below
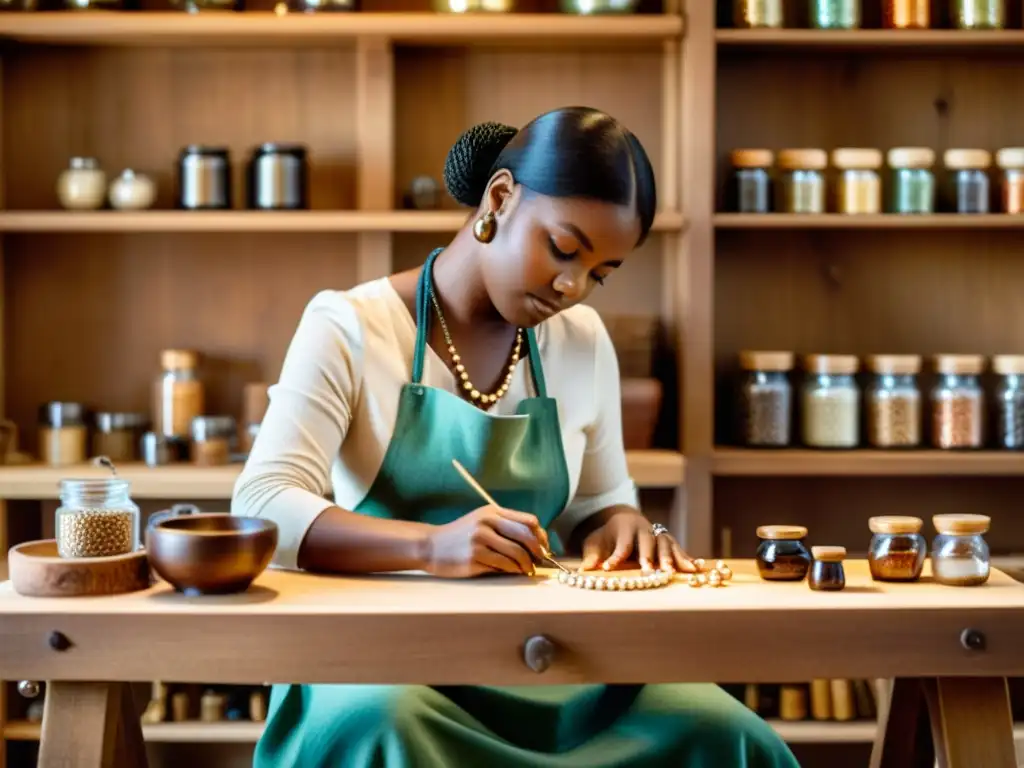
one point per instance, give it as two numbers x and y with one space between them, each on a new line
627 532
487 540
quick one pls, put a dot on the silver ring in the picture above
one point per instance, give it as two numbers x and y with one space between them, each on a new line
657 529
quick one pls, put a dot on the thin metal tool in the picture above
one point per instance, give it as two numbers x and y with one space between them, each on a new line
487 497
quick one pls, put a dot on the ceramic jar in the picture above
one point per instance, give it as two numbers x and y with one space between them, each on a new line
132 191
82 186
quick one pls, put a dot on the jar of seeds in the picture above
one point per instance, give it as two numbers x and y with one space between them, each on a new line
1009 401
830 403
766 399
893 401
96 518
958 402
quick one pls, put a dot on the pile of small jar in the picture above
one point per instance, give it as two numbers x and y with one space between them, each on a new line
960 555
893 414
799 181
847 14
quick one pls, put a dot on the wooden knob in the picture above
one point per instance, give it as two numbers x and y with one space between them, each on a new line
538 653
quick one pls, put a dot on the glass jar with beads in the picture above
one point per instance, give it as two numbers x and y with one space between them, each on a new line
766 399
1009 401
960 554
860 187
913 181
958 402
893 401
96 518
968 179
830 402
801 180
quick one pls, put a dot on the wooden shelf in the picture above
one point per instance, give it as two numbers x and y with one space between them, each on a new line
193 732
255 221
650 469
796 462
256 28
866 221
870 39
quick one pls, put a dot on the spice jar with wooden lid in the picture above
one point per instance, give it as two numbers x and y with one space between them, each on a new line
802 180
859 189
782 554
893 401
753 14
830 403
958 402
178 394
751 190
960 554
766 399
907 14
63 436
913 181
827 573
1009 401
897 550
117 435
969 178
1011 161
212 438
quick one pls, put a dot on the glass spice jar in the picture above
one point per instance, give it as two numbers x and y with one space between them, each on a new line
802 180
1009 401
913 182
907 14
766 399
958 402
979 14
827 573
969 177
116 435
830 402
96 518
751 180
898 550
177 394
212 440
782 554
835 14
1011 161
63 436
751 14
893 401
960 554
860 187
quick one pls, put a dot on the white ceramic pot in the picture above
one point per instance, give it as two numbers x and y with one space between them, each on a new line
132 191
83 185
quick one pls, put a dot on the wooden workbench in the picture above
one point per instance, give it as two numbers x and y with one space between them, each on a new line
950 648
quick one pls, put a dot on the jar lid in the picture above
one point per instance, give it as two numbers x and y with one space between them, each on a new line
961 524
897 365
1010 157
895 524
109 422
834 364
803 159
960 364
1008 364
857 159
766 361
829 554
911 157
175 359
57 414
781 532
279 148
967 159
752 158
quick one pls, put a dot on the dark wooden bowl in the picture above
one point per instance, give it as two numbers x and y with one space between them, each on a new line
210 553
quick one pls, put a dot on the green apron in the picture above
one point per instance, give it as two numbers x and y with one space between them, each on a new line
520 461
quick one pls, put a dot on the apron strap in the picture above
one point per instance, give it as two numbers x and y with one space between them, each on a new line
423 316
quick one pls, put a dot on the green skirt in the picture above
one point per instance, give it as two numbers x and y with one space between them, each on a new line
590 726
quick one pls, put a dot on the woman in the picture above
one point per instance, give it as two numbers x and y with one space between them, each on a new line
485 355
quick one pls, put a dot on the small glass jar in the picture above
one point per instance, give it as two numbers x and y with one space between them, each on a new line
213 439
1009 401
960 554
893 401
177 394
860 187
913 182
969 178
958 402
82 186
835 14
830 402
898 550
1011 161
907 14
63 436
751 14
96 518
827 573
782 554
751 181
979 14
802 180
117 435
766 399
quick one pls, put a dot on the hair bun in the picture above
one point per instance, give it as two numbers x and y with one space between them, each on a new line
471 160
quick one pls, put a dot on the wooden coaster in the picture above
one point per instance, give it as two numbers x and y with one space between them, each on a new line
615 581
36 570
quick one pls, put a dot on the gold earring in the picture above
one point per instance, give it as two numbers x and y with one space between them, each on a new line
485 228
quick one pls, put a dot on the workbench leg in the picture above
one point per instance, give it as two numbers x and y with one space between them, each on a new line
904 738
972 723
90 725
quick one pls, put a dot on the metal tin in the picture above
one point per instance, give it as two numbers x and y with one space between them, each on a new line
212 427
157 450
57 414
204 178
278 177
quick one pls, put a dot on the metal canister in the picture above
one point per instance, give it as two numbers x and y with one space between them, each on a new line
204 178
157 450
278 177
748 14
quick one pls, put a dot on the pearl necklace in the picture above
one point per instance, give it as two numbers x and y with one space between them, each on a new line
650 580
480 399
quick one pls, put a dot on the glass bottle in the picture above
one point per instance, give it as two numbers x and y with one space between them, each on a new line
178 395
782 554
751 182
913 182
1011 161
96 518
893 401
830 402
766 399
958 402
1009 401
860 187
802 180
898 550
979 14
960 554
968 170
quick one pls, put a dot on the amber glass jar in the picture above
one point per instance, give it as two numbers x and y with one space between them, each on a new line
827 573
1011 162
898 550
782 554
907 14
